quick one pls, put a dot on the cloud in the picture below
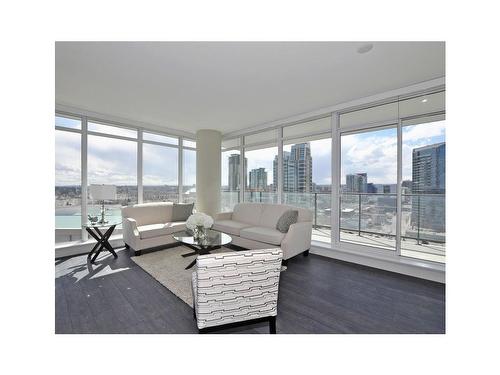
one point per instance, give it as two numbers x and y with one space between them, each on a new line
418 133
374 153
67 158
160 165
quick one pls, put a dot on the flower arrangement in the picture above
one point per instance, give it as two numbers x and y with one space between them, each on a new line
198 222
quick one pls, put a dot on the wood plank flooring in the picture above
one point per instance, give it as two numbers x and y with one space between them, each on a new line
317 295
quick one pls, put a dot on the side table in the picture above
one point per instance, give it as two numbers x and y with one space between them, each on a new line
102 238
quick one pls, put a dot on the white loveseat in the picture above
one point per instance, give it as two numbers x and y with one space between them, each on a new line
253 226
149 225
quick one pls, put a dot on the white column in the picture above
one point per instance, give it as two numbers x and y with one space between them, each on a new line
208 171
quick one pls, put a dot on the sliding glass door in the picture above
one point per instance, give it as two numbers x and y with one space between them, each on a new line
368 187
392 178
423 229
373 176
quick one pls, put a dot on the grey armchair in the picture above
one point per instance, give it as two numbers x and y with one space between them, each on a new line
236 288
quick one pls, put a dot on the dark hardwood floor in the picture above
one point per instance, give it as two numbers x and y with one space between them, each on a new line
317 295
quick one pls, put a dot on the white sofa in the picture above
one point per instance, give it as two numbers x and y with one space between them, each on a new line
253 226
149 225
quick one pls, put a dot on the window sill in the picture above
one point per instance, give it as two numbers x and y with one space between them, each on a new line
383 259
66 249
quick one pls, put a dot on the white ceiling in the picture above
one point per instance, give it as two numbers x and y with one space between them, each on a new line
230 86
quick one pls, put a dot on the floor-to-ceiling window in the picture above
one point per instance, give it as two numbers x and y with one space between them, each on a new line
68 189
423 225
388 165
306 171
160 168
97 152
189 172
401 143
368 187
260 151
112 161
231 171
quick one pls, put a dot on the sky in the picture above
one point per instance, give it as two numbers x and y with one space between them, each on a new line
375 152
114 161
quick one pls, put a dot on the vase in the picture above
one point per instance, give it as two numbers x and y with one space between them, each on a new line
199 232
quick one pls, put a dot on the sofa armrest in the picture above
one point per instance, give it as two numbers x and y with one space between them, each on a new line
224 216
130 232
131 225
297 239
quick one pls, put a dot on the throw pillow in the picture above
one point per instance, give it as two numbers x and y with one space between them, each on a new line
181 211
288 218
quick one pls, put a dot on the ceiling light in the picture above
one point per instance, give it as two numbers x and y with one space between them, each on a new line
424 100
365 48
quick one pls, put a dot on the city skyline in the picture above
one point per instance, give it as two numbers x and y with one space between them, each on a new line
116 163
375 152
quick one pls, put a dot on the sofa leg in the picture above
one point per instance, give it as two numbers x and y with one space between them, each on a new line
284 262
306 253
272 325
127 246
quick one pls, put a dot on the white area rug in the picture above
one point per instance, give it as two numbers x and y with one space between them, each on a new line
168 268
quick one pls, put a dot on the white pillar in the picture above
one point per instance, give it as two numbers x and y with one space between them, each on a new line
208 171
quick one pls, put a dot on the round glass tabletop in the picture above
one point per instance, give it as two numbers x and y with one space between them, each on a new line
97 224
211 238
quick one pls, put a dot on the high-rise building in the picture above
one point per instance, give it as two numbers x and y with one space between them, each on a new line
408 185
290 181
428 169
371 188
257 179
233 175
301 153
428 180
357 183
297 169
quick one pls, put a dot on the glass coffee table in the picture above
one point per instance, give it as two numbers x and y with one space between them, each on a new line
212 240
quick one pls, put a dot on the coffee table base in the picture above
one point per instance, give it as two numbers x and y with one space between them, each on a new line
198 251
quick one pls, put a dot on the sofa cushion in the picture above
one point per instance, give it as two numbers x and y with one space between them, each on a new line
271 214
263 234
181 211
157 230
288 218
229 226
249 213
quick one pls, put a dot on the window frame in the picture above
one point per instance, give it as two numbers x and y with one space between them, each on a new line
84 132
336 132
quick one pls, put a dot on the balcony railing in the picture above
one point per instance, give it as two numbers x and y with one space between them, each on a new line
423 215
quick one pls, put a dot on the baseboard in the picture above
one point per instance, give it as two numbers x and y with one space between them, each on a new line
403 266
79 248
